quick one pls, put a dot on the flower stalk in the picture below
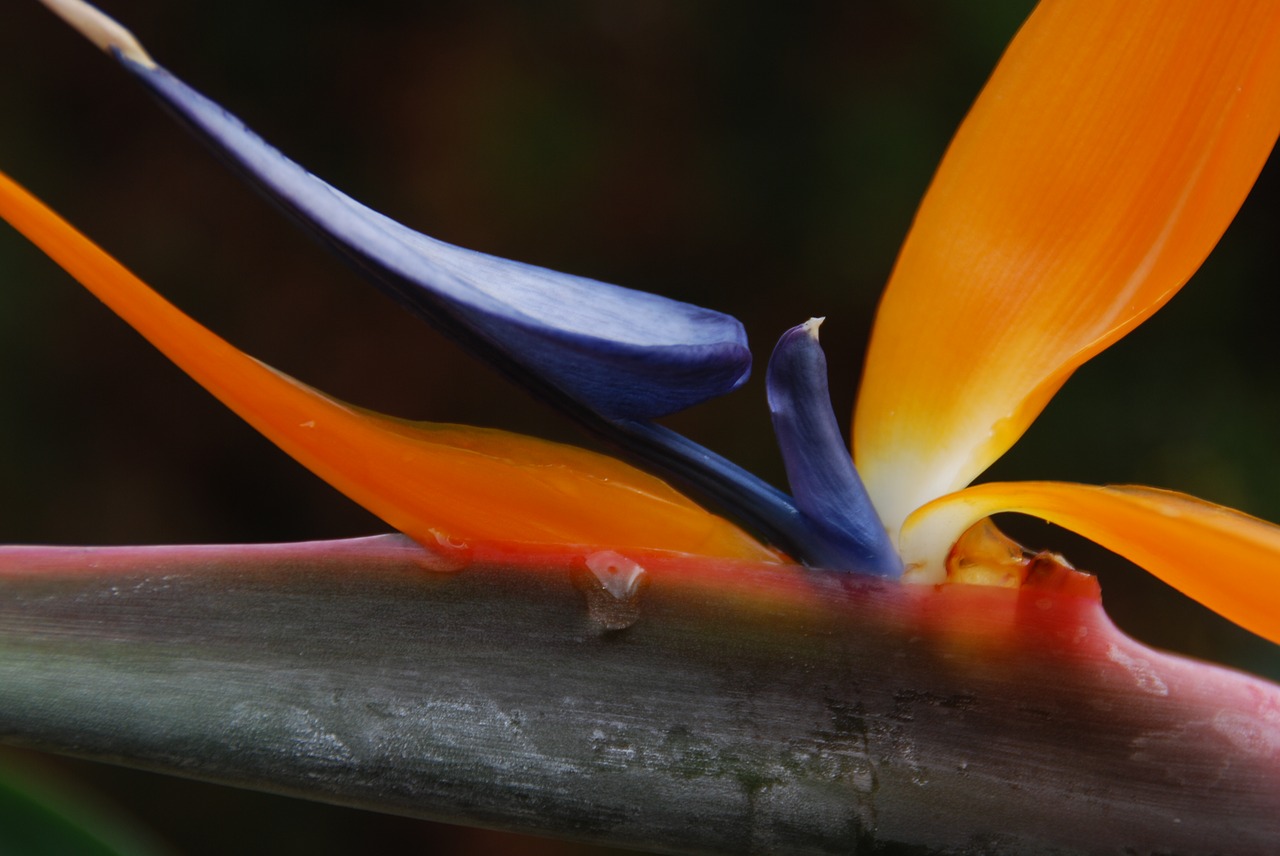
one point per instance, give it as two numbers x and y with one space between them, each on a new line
748 709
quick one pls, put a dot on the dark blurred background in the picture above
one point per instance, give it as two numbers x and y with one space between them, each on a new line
761 161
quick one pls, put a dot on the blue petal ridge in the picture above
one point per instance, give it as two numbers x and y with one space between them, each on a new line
827 489
619 352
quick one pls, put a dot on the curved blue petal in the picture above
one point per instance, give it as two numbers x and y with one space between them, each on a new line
610 357
826 486
621 353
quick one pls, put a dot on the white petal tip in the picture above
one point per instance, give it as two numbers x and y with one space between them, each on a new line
103 31
811 326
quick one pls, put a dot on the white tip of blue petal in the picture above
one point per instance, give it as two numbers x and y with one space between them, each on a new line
103 31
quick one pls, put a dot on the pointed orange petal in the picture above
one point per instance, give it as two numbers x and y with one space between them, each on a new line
1102 162
1227 560
436 483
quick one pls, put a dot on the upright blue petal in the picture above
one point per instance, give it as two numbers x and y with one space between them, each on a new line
620 353
824 482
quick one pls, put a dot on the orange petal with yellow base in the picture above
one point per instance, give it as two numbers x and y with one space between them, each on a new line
439 484
1103 160
1227 560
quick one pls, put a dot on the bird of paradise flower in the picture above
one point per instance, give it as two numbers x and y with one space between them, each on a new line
821 481
1085 187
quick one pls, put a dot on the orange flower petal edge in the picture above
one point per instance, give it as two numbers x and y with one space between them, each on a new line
1102 162
443 485
1223 558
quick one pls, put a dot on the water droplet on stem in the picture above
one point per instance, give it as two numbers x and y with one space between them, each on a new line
612 585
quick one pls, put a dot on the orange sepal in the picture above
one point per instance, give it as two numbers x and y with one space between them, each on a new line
1226 560
443 485
1110 149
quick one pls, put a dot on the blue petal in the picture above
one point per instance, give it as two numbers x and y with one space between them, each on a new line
618 352
610 357
826 486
